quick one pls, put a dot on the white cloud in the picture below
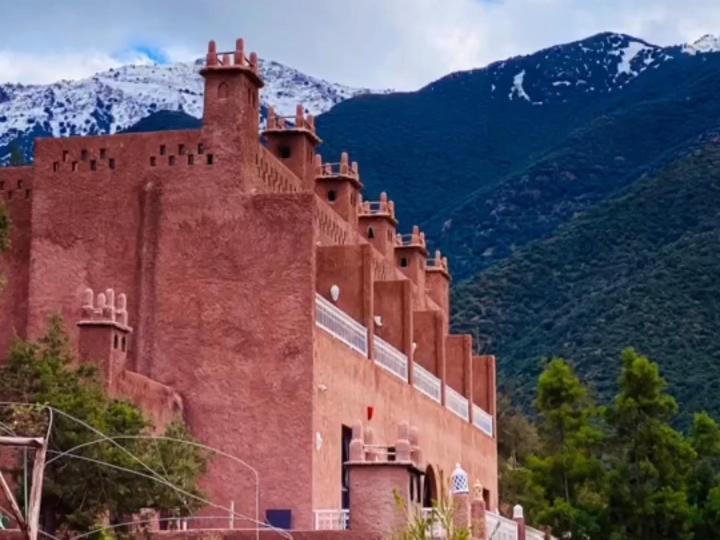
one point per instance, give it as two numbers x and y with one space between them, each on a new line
377 43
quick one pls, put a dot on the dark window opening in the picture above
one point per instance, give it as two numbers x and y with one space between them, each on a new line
19 184
181 149
371 232
392 454
486 497
2 185
429 495
74 166
83 155
191 159
116 345
285 152
404 262
171 160
153 161
332 196
223 90
103 153
111 163
124 343
65 155
162 149
346 435
93 165
201 148
56 166
27 193
209 159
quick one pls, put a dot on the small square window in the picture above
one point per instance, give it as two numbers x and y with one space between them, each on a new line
209 159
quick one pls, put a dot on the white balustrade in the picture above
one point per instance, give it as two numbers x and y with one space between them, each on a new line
391 359
457 403
533 534
426 382
338 323
331 520
498 527
482 420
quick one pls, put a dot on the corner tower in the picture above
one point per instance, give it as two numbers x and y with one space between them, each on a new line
232 93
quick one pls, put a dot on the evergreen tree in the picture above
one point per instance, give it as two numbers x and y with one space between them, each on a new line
704 482
81 491
17 158
649 460
568 468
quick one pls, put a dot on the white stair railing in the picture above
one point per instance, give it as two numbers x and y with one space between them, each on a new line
426 382
482 420
533 534
391 359
498 527
338 323
331 520
457 403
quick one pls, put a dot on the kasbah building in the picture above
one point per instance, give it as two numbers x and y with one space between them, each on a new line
242 283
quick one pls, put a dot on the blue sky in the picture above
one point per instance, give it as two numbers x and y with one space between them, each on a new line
401 44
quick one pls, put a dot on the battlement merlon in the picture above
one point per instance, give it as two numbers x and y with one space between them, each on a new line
232 61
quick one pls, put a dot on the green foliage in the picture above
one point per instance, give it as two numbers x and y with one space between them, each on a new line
17 158
439 525
621 472
638 270
81 489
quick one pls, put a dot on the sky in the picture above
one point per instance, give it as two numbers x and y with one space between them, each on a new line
399 44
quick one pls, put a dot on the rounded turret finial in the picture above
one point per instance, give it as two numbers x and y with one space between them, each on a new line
254 61
212 58
518 512
239 52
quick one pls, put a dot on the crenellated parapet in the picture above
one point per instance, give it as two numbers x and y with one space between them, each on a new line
438 263
232 60
301 122
104 309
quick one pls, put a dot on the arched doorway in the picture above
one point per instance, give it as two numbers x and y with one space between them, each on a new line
429 488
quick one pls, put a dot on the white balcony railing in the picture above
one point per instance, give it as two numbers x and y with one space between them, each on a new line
338 323
500 528
457 403
534 534
426 382
331 520
482 420
391 359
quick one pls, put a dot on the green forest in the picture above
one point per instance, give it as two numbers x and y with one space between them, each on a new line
611 472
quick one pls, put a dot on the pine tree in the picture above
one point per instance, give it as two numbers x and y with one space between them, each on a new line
568 468
649 460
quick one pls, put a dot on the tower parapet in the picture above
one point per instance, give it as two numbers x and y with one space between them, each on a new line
378 223
294 143
339 185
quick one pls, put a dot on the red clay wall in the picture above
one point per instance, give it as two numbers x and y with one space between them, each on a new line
16 195
346 384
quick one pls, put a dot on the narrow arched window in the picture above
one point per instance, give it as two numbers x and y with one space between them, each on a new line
371 232
223 90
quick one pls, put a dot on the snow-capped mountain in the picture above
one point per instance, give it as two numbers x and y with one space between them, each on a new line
599 64
116 99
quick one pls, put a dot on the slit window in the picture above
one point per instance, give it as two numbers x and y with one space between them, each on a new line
371 232
111 163
27 193
56 166
332 196
93 165
153 161
74 166
191 159
210 159
162 149
116 344
103 153
83 155
19 184
124 343
181 149
65 155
